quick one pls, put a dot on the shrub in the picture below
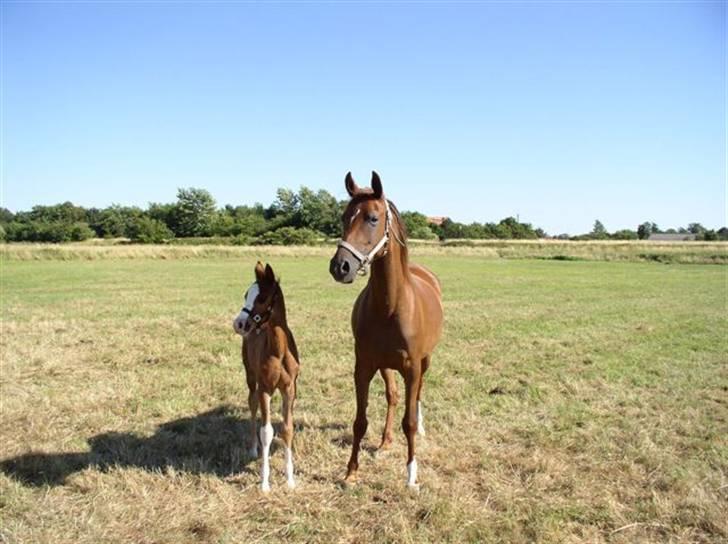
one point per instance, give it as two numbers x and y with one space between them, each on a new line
289 236
149 231
422 233
79 232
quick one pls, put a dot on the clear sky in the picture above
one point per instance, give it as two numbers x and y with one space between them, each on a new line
560 112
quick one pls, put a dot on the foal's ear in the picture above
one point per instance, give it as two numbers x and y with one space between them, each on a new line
376 185
259 272
350 184
270 277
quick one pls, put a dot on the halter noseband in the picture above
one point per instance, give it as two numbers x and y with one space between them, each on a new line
366 260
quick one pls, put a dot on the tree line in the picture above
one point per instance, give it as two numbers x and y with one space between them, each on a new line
295 217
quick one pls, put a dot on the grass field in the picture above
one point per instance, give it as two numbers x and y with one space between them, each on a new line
567 402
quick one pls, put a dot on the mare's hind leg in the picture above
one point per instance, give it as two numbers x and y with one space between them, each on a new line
289 395
362 376
390 386
420 419
412 379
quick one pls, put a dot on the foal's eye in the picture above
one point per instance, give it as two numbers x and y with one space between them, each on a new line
373 219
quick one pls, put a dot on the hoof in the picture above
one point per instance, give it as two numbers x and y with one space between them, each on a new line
265 488
414 488
383 449
421 431
253 453
291 484
351 480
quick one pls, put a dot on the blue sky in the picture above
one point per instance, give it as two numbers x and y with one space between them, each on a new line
560 112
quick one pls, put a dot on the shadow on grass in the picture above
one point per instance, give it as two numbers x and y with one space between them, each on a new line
214 442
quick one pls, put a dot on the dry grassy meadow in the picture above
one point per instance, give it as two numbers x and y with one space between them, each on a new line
569 401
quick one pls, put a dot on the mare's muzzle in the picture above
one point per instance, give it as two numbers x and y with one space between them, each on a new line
343 266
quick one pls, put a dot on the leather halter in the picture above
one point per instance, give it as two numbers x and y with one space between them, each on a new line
366 260
262 318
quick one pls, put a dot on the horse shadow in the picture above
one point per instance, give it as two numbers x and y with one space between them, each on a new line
214 442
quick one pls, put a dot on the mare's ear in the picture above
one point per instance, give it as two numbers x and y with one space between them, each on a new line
350 184
259 272
270 277
376 185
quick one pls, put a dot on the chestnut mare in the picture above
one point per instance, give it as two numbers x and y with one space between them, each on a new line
397 318
271 362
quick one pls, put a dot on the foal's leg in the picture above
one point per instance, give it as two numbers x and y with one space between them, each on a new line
252 404
412 379
289 395
420 419
266 437
390 385
362 376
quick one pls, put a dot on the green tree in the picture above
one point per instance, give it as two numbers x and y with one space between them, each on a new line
417 226
696 228
6 216
598 231
195 213
644 230
319 211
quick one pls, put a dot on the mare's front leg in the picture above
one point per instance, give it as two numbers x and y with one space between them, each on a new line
266 438
412 378
420 418
289 395
362 376
390 388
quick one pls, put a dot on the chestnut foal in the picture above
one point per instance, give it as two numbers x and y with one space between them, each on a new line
397 318
271 362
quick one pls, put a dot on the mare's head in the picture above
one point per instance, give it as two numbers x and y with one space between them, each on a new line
261 300
369 220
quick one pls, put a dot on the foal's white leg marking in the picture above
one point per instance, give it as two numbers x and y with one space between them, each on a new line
289 468
266 438
412 474
420 420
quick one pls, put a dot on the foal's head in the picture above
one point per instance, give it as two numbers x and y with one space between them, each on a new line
262 299
369 222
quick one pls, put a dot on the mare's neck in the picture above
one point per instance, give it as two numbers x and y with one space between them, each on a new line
389 278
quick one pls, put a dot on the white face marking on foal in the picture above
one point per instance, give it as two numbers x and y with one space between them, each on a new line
250 296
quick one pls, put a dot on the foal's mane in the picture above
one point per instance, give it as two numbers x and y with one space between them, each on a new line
280 303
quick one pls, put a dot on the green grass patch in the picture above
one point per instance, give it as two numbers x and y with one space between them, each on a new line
568 401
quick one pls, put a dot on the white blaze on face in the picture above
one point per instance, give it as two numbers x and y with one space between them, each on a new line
250 296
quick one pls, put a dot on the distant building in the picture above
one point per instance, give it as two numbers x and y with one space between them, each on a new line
436 220
661 237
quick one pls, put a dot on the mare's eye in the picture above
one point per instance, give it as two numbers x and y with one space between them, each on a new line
373 219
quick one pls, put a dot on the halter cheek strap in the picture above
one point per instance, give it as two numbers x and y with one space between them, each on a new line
366 259
262 318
